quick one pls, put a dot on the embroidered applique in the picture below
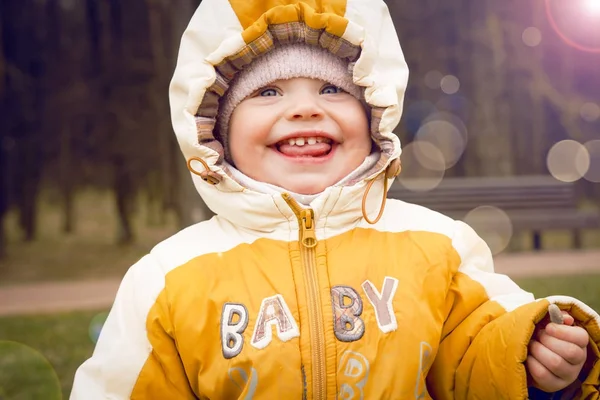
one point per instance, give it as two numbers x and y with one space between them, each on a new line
382 303
347 308
353 372
425 361
274 311
234 320
240 378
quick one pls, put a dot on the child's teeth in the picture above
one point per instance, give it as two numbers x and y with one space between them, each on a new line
309 140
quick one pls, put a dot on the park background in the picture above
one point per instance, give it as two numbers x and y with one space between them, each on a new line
91 176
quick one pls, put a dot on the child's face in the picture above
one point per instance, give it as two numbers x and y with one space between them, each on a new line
301 134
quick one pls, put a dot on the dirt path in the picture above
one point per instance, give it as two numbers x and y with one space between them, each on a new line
48 297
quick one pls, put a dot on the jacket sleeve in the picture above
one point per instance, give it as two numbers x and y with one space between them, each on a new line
489 323
135 356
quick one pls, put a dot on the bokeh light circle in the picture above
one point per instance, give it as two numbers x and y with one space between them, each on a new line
26 374
96 326
416 176
493 225
433 79
428 155
532 36
568 161
451 118
450 84
415 114
590 112
445 137
593 172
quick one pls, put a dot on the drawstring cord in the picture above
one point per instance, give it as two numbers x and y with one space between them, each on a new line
392 171
207 175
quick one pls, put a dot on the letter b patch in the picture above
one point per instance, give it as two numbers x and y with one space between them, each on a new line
347 308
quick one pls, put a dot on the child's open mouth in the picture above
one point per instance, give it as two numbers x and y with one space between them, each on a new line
305 147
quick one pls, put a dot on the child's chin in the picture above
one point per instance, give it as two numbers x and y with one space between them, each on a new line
307 188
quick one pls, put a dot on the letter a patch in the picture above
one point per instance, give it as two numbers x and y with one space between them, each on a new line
274 311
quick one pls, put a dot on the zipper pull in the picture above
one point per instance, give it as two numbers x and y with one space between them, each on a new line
309 238
306 220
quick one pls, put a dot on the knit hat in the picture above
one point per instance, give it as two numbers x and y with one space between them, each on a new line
284 62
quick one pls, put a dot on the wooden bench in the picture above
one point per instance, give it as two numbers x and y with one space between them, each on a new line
533 203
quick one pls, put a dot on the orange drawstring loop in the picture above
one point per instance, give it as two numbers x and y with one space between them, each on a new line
207 175
392 171
364 199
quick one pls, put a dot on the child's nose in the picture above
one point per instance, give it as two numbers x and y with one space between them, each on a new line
305 108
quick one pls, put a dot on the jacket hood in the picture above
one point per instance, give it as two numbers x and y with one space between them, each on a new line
225 36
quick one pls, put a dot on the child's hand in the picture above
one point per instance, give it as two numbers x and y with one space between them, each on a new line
556 355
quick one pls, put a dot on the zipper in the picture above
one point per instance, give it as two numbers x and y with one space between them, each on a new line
308 242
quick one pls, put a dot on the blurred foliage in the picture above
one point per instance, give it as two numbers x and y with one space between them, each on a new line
83 97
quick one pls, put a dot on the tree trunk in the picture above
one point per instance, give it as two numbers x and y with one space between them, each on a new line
60 113
24 53
3 139
66 180
122 189
29 177
163 65
492 122
3 188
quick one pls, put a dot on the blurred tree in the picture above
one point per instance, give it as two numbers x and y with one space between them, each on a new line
159 186
4 192
61 87
24 27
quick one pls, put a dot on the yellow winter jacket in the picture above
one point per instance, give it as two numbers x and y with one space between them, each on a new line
272 300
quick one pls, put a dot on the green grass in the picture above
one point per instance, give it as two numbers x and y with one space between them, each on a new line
64 341
39 354
582 287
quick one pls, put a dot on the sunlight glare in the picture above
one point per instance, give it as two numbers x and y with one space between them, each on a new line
593 6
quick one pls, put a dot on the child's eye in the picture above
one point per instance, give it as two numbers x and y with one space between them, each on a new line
331 89
268 92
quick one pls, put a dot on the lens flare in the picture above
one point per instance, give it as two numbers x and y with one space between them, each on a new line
590 112
446 138
593 172
450 84
26 374
588 18
493 225
592 6
568 161
96 326
532 36
417 177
